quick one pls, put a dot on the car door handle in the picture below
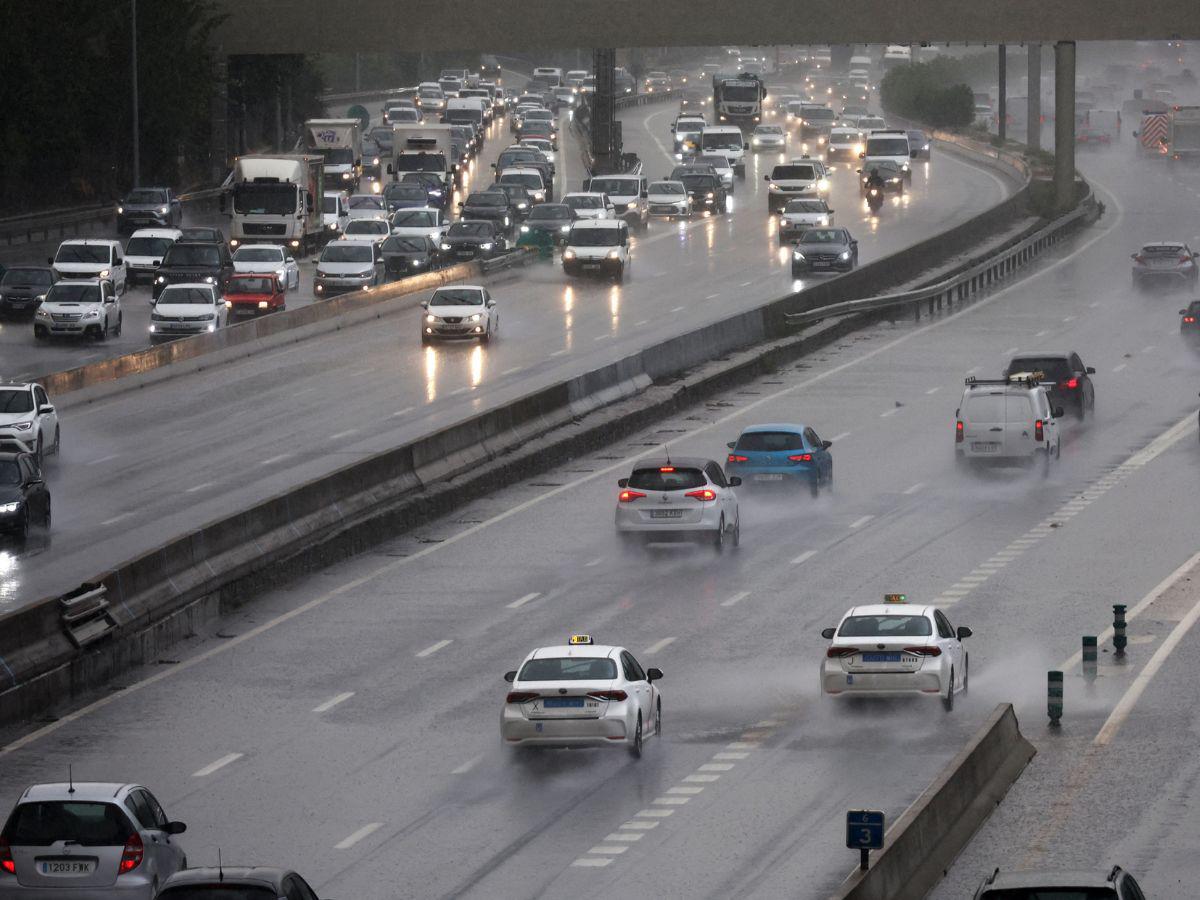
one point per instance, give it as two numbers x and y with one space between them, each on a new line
996 429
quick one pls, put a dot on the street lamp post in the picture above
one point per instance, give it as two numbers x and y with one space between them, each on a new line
137 165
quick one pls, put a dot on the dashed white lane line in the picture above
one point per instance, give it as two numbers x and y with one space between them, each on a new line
271 460
712 296
671 801
702 779
689 791
1148 348
467 766
332 702
592 861
839 437
511 370
1042 333
115 519
889 412
934 390
609 849
804 557
736 598
730 754
1119 367
715 767
199 487
433 648
453 393
972 370
746 283
602 337
594 562
916 487
628 836
658 646
654 813
219 764
521 601
343 434
1011 350
639 825
861 521
1068 318
641 323
351 839
559 352
676 309
402 412
103 459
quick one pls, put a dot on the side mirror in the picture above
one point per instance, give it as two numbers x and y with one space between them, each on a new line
862 156
746 146
1183 312
175 828
1091 371
49 260
510 677
859 171
963 632
1058 412
45 409
424 304
157 262
389 168
730 444
956 413
828 633
622 482
734 481
831 211
1133 256
766 177
291 259
221 203
654 674
461 204
825 445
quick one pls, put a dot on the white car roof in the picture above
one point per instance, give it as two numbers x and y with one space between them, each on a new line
589 651
85 791
520 170
890 609
614 224
370 245
198 284
271 246
157 232
91 242
460 287
598 194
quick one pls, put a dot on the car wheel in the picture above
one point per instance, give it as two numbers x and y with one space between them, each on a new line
40 451
486 337
737 532
718 537
117 333
40 333
948 700
1046 463
46 518
658 719
814 485
966 673
635 749
57 440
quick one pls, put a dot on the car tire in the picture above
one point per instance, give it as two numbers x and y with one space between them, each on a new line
635 749
22 531
57 449
40 453
736 538
486 337
1046 463
117 332
718 537
658 719
966 673
40 333
948 700
814 485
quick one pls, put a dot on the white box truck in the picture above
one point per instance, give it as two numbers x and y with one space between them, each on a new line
276 200
424 148
339 143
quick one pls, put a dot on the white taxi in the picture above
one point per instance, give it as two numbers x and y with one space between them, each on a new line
581 694
895 648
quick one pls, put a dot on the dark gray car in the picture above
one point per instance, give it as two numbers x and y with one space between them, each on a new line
1060 885
240 882
471 239
147 207
21 289
824 250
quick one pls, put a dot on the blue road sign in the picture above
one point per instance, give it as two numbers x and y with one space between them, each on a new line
864 829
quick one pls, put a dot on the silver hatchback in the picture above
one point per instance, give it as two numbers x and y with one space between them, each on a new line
88 841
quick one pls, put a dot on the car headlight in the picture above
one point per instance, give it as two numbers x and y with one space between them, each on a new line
10 507
904 168
614 254
631 205
208 279
522 205
823 185
345 176
418 262
42 314
894 180
20 426
445 246
475 318
431 319
568 253
524 229
757 141
279 273
824 220
375 161
333 226
120 210
771 186
486 245
844 255
104 273
435 193
92 314
796 254
710 196
539 195
565 229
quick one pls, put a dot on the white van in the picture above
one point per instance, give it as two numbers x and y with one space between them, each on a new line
552 75
88 258
889 146
1007 421
628 195
144 251
729 142
599 246
467 111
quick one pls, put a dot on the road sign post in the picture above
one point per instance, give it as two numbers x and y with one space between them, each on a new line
864 833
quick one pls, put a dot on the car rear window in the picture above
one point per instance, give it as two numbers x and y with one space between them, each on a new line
216 892
1052 893
1162 249
770 441
568 668
984 408
667 478
886 626
41 823
1054 368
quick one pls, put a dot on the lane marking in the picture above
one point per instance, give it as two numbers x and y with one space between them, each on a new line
467 766
716 767
521 601
453 393
857 523
934 390
671 801
804 557
641 323
690 791
658 646
840 437
609 849
629 836
592 861
702 778
103 459
602 337
342 434
559 352
122 517
332 702
677 309
890 412
655 813
1011 350
742 745
402 412
1120 367
728 754
594 562
639 825
350 840
199 487
1042 333
511 371
1068 319
270 461
433 648
916 487
736 598
219 764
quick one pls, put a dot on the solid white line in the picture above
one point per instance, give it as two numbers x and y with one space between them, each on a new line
342 434
219 764
658 646
434 648
467 766
736 598
861 521
804 557
349 841
916 487
116 519
332 702
839 437
521 601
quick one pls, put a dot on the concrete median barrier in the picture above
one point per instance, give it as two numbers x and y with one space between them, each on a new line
923 842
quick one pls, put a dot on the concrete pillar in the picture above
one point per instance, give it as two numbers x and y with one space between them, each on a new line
1002 99
1033 127
1064 124
219 126
606 145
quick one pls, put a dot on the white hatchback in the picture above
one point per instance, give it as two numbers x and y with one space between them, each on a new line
683 499
267 259
581 694
461 312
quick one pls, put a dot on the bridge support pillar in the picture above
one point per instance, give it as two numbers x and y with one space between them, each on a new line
1002 91
605 129
1064 124
1033 116
218 155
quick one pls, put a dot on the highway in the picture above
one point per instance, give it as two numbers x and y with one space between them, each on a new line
263 424
346 724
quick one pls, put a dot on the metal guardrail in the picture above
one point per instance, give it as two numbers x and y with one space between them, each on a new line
516 256
962 285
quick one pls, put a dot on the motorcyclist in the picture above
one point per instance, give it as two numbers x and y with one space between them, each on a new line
874 180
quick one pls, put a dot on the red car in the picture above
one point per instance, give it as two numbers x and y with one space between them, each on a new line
253 295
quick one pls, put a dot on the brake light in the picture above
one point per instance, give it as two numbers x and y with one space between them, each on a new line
1138 258
1185 259
1072 383
924 651
666 469
702 494
733 457
1037 430
801 457
958 432
630 496
6 858
520 696
1189 319
131 856
838 652
608 695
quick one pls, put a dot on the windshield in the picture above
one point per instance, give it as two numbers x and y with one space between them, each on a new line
146 197
772 130
23 277
183 255
721 140
550 211
405 245
258 285
431 93
666 187
9 473
404 114
82 253
584 202
329 205
570 668
370 227
414 219
185 295
490 198
16 401
420 162
886 626
674 479
510 158
258 254
823 236
250 199
1055 368
713 159
615 187
73 292
344 252
405 190
595 237
336 156
218 891
838 136
818 114
366 201
87 824
887 146
698 182
456 297
532 181
770 441
469 229
147 246
793 173
472 116
805 206
746 94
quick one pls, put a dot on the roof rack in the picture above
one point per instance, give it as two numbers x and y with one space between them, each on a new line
1027 378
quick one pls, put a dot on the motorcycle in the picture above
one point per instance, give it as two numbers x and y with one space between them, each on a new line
874 199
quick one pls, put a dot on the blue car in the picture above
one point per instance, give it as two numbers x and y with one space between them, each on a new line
781 453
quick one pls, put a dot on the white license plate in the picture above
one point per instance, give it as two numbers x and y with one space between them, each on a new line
821 265
985 446
769 476
67 867
666 513
591 265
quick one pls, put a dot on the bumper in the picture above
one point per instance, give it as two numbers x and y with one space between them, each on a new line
454 332
769 475
18 441
19 308
327 287
69 329
518 731
125 888
668 209
144 220
1188 274
819 268
160 333
631 521
780 145
836 682
592 266
999 460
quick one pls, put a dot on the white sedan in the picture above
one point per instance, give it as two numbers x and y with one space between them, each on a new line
768 137
681 499
800 215
581 695
462 312
367 206
895 648
668 198
267 259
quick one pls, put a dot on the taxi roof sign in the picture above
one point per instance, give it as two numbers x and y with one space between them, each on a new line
577 639
895 598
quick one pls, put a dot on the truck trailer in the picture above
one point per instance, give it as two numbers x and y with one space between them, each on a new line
339 143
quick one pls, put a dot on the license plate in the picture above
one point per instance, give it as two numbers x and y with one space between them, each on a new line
821 265
67 867
466 253
881 657
591 265
985 446
666 513
563 703
768 476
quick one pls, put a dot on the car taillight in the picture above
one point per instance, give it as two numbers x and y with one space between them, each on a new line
1138 258
801 457
733 457
6 858
1185 259
1037 430
702 494
131 856
1189 319
958 432
924 651
1072 383
608 695
838 652
520 696
630 496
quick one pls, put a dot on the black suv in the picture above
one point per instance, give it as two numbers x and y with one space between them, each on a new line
489 206
147 208
21 289
1067 380
706 191
191 262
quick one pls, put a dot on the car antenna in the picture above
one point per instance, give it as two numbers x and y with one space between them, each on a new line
220 868
70 779
667 451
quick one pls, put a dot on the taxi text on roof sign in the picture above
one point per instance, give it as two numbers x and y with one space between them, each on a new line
580 639
895 598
